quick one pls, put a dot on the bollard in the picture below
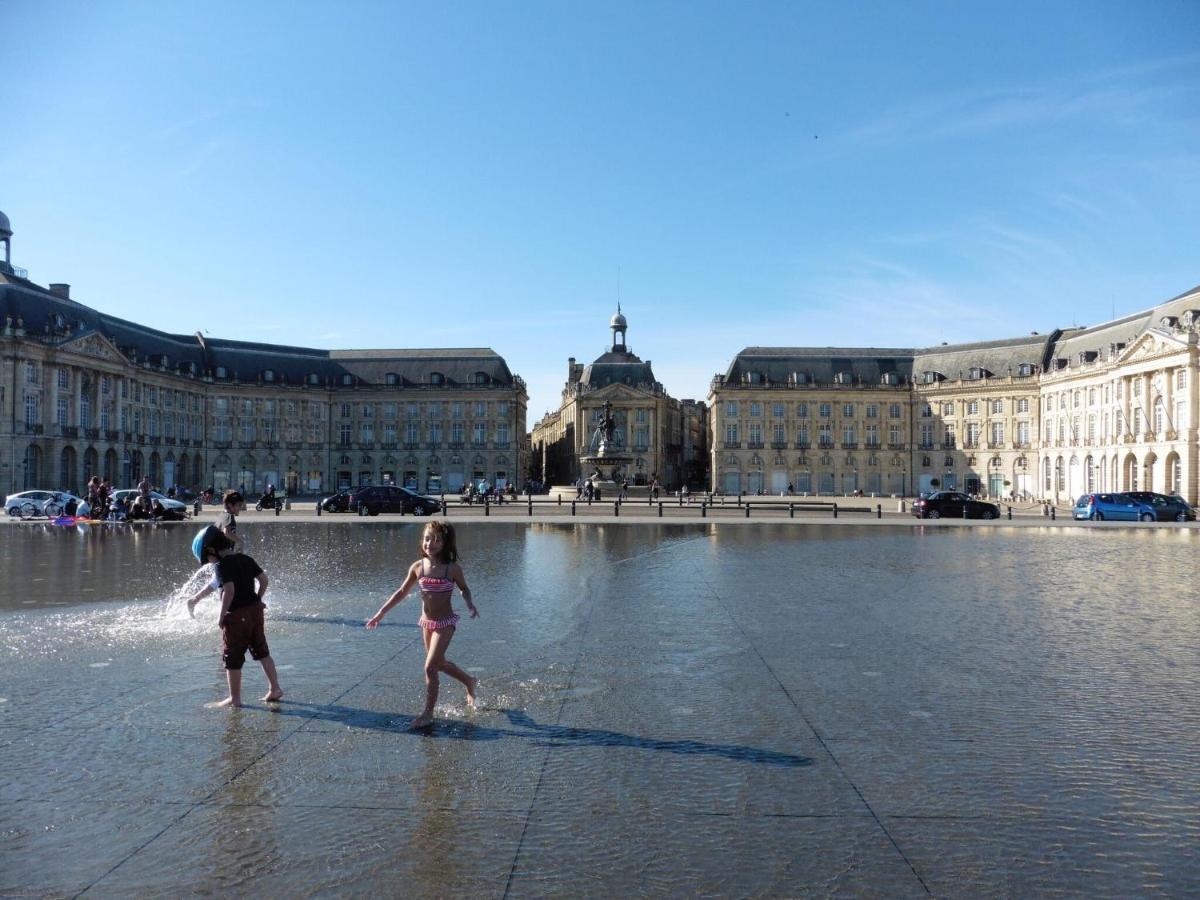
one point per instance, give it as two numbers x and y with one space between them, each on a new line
445 506
741 494
1052 513
681 497
1010 514
589 501
559 499
616 507
278 507
660 509
791 510
747 510
487 507
704 510
878 510
531 506
572 507
287 503
835 510
318 506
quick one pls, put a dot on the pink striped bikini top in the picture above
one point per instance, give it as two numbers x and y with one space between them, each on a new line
431 584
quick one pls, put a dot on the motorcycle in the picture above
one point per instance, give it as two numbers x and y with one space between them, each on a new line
269 501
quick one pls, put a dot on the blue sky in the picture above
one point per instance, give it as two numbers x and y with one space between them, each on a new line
485 174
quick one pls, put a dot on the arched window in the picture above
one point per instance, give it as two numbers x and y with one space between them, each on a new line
437 378
392 378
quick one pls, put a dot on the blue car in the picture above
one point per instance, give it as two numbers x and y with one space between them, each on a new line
1113 507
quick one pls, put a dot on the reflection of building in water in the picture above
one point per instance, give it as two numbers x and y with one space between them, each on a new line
1109 408
93 394
648 424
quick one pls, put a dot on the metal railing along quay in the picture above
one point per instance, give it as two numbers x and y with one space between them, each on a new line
702 507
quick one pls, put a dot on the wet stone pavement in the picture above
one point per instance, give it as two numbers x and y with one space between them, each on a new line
666 710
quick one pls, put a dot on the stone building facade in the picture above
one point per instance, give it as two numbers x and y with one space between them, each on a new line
1113 407
650 424
86 393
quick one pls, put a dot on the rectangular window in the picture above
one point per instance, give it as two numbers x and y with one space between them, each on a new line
641 417
456 410
411 433
731 409
780 433
1023 405
997 434
826 410
31 373
777 410
1023 433
872 411
502 409
872 435
105 384
972 407
731 432
894 435
756 410
247 432
926 435
926 411
479 434
64 379
847 410
848 434
825 435
948 436
1180 379
411 411
104 418
894 411
368 433
802 435
456 433
85 411
641 439
389 433
63 411
435 433
947 410
221 406
480 409
755 433
502 433
389 410
345 430
801 410
346 410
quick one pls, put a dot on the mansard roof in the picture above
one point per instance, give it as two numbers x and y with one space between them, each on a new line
43 312
618 367
983 359
819 365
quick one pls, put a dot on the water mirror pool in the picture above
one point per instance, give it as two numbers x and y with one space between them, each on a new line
767 709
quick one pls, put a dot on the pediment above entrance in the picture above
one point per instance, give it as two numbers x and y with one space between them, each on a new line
1152 343
618 392
96 345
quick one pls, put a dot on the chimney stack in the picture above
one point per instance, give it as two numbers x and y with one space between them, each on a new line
61 290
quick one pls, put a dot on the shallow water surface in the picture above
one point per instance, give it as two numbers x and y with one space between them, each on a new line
665 709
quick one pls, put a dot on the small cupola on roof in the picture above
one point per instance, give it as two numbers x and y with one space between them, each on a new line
618 326
6 240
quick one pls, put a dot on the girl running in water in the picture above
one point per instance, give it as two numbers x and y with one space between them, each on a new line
435 574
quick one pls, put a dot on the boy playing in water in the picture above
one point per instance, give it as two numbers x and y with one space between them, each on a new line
227 521
243 584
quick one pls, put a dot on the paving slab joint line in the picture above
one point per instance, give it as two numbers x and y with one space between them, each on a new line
205 800
825 747
562 704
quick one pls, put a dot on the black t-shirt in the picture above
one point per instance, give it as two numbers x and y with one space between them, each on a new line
241 570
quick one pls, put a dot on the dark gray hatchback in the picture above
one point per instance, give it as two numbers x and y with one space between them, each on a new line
1167 508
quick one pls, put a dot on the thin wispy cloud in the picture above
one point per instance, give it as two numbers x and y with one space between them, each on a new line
1111 95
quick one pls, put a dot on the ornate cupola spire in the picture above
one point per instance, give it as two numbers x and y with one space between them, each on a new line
618 326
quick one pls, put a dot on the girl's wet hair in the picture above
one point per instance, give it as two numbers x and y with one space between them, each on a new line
446 530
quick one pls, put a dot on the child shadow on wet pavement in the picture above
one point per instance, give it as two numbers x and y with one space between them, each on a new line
524 726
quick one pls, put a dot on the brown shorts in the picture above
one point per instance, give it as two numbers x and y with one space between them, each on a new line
244 631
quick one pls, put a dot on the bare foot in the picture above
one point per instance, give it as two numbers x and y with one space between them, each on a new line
471 689
424 720
272 696
192 608
227 702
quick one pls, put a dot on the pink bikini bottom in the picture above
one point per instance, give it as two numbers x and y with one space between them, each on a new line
435 624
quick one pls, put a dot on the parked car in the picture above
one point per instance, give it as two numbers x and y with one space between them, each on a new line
1115 507
953 505
27 504
391 498
1167 507
339 502
130 494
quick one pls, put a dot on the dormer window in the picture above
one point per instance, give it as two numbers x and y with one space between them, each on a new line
437 378
976 373
889 378
931 377
481 378
268 375
754 378
799 378
348 380
1024 370
843 378
1087 356
392 379
1060 362
222 372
